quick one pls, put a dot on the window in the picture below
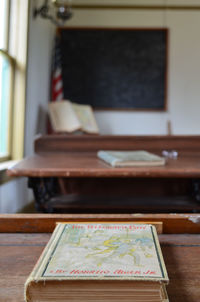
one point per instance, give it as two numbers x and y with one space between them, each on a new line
6 82
13 61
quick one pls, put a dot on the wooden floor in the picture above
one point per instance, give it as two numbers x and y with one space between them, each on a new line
19 253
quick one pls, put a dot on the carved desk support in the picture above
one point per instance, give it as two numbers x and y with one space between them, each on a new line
196 189
44 189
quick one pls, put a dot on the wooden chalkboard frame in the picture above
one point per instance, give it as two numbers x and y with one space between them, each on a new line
164 29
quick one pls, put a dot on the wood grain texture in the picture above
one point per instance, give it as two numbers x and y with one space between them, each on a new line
68 143
75 156
45 223
86 164
19 253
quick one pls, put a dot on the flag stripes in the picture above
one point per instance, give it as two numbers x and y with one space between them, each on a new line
57 83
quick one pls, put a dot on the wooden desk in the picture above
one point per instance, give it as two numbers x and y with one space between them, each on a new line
66 168
23 237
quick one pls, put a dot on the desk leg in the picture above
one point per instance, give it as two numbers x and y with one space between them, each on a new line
196 189
43 189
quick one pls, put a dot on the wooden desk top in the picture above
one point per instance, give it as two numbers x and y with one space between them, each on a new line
75 156
86 164
20 251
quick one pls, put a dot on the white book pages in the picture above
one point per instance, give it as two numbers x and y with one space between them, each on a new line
86 118
63 117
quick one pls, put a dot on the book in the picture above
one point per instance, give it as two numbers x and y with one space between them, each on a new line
99 262
130 158
66 116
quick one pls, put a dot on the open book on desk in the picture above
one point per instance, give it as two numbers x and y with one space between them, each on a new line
66 116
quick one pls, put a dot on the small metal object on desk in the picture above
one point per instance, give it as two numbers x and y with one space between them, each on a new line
170 154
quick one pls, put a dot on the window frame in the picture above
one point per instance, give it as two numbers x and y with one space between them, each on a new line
9 135
16 52
4 52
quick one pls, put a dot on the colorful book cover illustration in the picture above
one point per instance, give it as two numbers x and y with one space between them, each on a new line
102 251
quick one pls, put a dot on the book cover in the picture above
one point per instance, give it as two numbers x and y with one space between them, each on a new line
130 158
102 251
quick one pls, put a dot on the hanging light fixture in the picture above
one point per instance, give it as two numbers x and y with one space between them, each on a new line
57 11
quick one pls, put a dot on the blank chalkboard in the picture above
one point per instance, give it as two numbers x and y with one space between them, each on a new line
115 68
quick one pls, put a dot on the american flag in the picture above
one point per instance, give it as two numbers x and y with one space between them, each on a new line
57 83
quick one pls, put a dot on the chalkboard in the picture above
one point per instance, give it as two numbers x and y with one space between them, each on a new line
115 68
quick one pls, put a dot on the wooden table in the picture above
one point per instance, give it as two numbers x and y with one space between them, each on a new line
66 168
23 237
